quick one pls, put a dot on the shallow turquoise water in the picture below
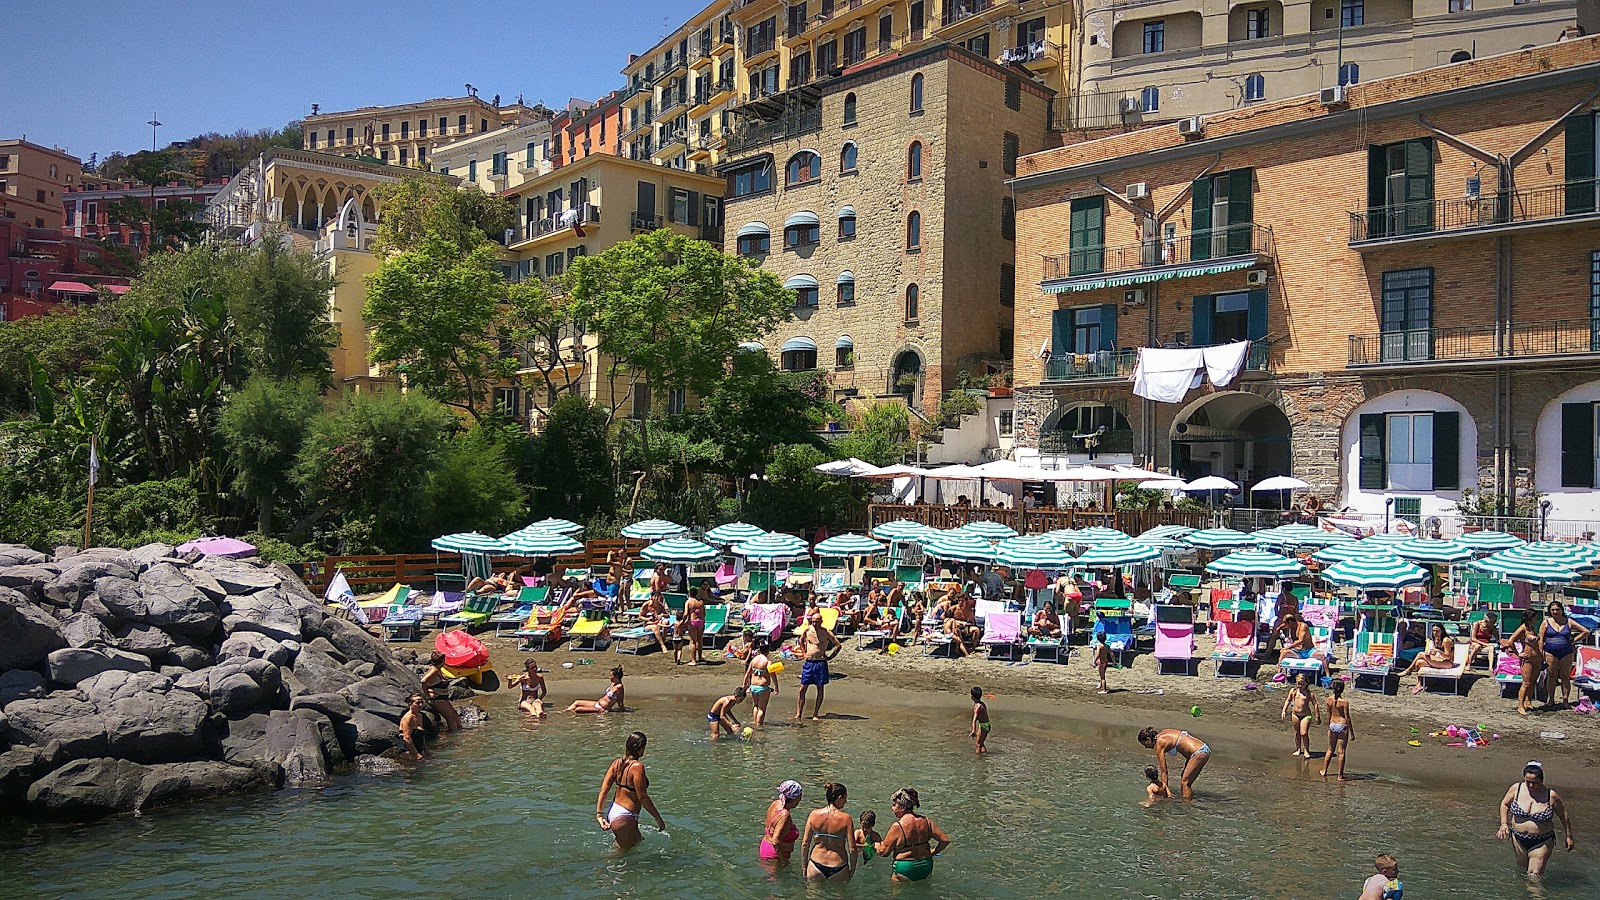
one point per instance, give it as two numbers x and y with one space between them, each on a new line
507 811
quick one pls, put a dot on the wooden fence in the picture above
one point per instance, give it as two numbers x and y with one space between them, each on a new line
420 570
1127 521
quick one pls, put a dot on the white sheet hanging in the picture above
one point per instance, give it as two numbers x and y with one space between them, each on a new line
1224 362
1165 375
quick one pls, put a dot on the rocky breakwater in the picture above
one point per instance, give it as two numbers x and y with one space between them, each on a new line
130 678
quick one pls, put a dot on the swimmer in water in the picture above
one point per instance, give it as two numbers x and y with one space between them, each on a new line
721 717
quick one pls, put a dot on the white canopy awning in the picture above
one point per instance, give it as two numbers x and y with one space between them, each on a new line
804 217
796 282
800 342
751 229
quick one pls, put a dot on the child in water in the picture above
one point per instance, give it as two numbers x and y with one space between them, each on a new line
980 720
1102 660
411 728
1155 790
1301 703
866 837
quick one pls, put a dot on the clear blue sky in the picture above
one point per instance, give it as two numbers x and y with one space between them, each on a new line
87 74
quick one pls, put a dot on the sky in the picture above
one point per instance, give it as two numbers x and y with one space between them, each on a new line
86 75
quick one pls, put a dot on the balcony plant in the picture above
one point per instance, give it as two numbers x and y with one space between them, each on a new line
1483 509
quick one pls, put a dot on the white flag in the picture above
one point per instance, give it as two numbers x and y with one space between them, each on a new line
94 463
338 589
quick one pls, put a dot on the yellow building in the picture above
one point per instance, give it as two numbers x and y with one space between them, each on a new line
33 178
501 159
406 134
678 92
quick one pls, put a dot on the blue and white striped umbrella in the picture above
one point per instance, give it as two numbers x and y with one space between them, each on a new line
1489 541
679 550
1032 552
958 547
1382 572
1585 552
993 531
1116 553
654 530
559 526
774 548
1432 551
1299 535
734 533
1219 539
1256 564
1352 550
1518 566
469 542
1166 532
1096 535
534 542
849 545
902 530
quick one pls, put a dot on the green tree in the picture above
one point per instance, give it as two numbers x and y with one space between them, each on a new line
880 434
427 208
60 344
542 324
474 487
279 300
755 408
574 473
264 426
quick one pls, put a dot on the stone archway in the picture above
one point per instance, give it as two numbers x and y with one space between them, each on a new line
1092 427
1238 435
906 376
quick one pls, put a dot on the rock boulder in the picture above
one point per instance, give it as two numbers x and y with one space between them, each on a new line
29 633
95 788
63 717
255 645
172 603
73 664
145 640
20 555
77 578
235 577
84 630
21 684
266 612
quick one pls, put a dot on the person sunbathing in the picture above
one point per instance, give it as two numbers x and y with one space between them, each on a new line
655 616
1442 655
503 583
1046 624
603 588
533 689
1485 634
610 701
1296 638
962 626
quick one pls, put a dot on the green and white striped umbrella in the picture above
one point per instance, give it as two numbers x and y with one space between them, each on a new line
958 547
1116 553
1219 539
533 542
1299 535
469 542
559 526
1383 572
1387 539
1519 566
1167 532
1095 535
654 530
1352 550
992 531
774 548
734 533
1488 541
1432 551
1065 536
680 550
902 530
849 545
1584 552
1256 564
1032 552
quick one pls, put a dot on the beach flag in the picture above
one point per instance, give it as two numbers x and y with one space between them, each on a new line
338 589
94 463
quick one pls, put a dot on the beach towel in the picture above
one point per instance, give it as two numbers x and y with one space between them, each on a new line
1165 375
769 618
1223 363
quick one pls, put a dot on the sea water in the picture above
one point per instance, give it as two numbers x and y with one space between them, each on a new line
507 810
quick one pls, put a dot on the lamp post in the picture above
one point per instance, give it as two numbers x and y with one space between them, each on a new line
1544 520
1388 506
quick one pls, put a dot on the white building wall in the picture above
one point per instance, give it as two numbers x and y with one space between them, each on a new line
1434 503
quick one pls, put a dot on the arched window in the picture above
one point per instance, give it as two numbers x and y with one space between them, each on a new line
912 296
53 171
914 231
914 161
916 93
847 157
847 223
803 229
1460 56
849 109
847 288
804 167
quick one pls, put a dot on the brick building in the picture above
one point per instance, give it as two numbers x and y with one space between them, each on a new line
879 197
1416 264
87 208
43 269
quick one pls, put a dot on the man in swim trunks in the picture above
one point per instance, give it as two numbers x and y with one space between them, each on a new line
819 646
1296 638
1385 885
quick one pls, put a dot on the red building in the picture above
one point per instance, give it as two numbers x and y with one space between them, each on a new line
43 269
88 207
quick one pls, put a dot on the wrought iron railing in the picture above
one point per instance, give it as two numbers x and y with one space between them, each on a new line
643 222
1120 363
957 10
790 125
1474 342
1184 247
756 46
1406 220
1119 441
1096 110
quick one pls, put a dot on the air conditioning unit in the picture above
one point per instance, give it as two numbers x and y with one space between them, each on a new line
1332 95
1191 125
1129 105
1139 190
1133 297
1256 278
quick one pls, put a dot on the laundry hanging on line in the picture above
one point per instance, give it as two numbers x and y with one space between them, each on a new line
1166 375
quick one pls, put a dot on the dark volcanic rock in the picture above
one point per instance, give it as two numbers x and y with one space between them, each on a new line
21 684
84 630
379 697
255 645
20 768
239 684
237 578
148 555
29 581
172 603
319 673
189 657
302 743
268 612
145 640
72 665
364 733
20 555
95 788
64 717
335 706
28 634
77 578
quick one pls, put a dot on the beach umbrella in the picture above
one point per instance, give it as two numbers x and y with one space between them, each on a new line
1211 483
469 542
1218 539
218 546
1351 550
1167 532
958 547
1164 484
847 467
1095 535
1299 535
1066 536
1256 564
849 545
1376 573
1388 539
774 548
1031 552
679 550
1488 541
559 526
1432 552
653 530
1116 553
988 530
902 530
533 542
1279 483
734 533
1585 552
1524 567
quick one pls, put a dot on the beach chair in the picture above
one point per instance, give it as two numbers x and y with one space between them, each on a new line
1118 631
1315 665
590 632
1048 649
831 581
830 619
1586 677
520 610
757 582
1427 676
909 575
866 638
402 623
541 631
716 625
1372 654
931 632
1236 646
769 618
475 610
637 640
1174 637
1002 634
983 609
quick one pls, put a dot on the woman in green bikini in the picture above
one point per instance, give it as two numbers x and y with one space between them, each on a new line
760 681
912 841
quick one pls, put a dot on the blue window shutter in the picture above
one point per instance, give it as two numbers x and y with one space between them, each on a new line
1205 308
1374 472
1446 450
1108 326
1258 315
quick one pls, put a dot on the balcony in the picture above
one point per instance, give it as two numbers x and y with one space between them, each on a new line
1119 364
1184 255
960 10
761 134
711 233
1470 216
758 46
644 222
670 102
669 68
1058 442
1476 344
706 143
1037 54
587 214
672 142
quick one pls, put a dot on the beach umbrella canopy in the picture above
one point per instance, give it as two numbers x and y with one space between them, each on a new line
1095 535
559 526
988 530
1117 553
536 542
774 548
1032 552
218 546
1483 541
1164 484
902 530
1525 567
680 550
734 533
958 547
1432 551
848 467
1279 483
1166 532
1211 483
1299 535
469 542
849 545
654 530
1584 552
1388 539
1256 564
1218 539
1351 550
1061 536
1384 572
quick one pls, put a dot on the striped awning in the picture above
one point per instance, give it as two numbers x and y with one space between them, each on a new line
804 217
800 342
796 282
752 347
844 343
750 229
847 211
847 277
1142 276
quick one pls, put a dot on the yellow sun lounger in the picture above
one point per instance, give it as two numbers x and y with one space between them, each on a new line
587 633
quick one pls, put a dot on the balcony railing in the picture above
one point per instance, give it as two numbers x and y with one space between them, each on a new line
1407 221
759 45
1119 441
957 10
1188 248
671 138
1031 52
708 141
1521 341
1121 363
724 86
777 130
712 233
587 214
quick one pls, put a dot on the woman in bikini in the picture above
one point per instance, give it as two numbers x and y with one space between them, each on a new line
762 684
1526 812
912 841
533 689
1560 637
829 838
610 701
437 688
1526 642
778 833
1442 655
694 624
1171 742
632 785
1302 703
653 614
1341 731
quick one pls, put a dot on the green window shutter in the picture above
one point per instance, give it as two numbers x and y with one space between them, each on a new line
1580 163
1374 437
1419 184
1108 326
1087 237
694 207
1061 333
1200 220
1446 451
1241 203
1205 308
1376 173
1258 315
1577 445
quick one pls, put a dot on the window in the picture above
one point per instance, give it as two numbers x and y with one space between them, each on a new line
754 241
1410 451
472 170
1222 215
855 46
384 155
979 44
1013 93
422 155
751 180
1008 284
844 354
847 223
386 131
914 161
827 58
1007 417
403 155
1255 87
1150 100
1349 73
804 168
1229 317
405 131
849 109
1008 218
914 232
349 136
1086 236
1352 12
508 401
1406 315
1083 329
1400 188
1580 452
641 401
799 68
461 125
444 125
483 125
677 401
847 289
1460 56
802 235
847 158
311 137
5 161
1258 23
330 137
806 293
1460 6
1030 32
1155 36
912 299
799 360
1009 151
916 93
422 128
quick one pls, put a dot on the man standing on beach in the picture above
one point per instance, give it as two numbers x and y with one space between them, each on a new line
818 645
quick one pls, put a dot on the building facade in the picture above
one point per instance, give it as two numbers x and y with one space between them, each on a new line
405 134
44 269
1415 265
32 180
87 208
879 197
501 159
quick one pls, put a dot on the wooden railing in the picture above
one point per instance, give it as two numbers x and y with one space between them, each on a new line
1127 521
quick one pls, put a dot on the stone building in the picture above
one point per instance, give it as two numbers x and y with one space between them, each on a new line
1415 263
404 134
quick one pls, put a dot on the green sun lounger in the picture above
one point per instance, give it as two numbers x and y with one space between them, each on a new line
475 611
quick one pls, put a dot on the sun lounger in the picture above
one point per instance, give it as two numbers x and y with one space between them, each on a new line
910 576
639 638
868 637
1236 646
402 623
589 632
769 618
1002 634
1427 676
830 618
519 611
542 630
1174 637
1587 673
1315 665
1118 631
1372 654
983 609
1048 649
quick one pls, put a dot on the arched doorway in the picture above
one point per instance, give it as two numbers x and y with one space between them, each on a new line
1237 435
905 377
1089 427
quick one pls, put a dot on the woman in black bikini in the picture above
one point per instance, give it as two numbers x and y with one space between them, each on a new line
627 775
833 831
1525 814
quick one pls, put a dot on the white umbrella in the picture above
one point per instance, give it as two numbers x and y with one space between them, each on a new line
469 542
1134 473
1376 573
1432 552
1484 541
559 526
1032 552
890 472
1164 484
959 547
679 550
1218 539
846 467
1279 483
1211 483
849 545
774 548
1162 532
1095 535
1256 564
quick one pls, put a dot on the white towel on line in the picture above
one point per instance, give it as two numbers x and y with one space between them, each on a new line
1164 375
1224 362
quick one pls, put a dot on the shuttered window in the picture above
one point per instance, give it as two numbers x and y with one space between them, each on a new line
1087 236
1373 440
1222 215
1417 451
1580 164
1084 329
1400 188
1577 445
1229 317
